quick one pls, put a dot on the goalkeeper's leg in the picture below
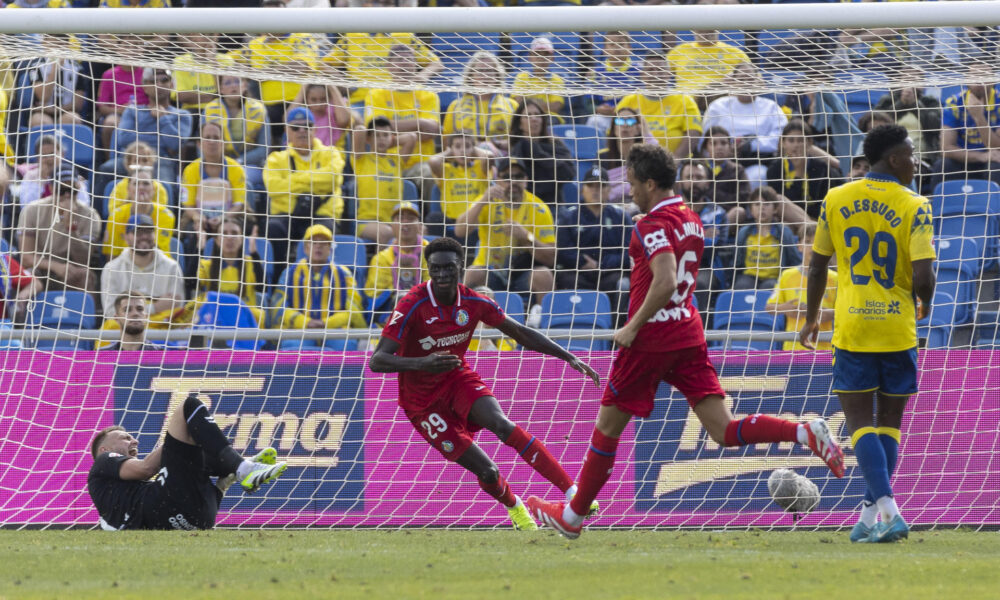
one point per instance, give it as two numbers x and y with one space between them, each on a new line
194 425
727 430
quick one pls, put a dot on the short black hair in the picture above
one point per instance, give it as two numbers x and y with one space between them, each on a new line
882 139
444 244
764 193
650 161
798 125
379 121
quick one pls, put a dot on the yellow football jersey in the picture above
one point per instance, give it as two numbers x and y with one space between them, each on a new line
668 117
495 245
379 180
792 286
877 228
696 67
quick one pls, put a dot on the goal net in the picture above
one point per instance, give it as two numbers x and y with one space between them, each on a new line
235 214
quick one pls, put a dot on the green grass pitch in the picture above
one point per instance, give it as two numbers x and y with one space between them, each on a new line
441 564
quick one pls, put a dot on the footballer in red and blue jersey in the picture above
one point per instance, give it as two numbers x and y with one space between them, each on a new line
425 341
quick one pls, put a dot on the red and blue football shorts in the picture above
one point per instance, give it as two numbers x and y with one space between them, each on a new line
444 419
635 375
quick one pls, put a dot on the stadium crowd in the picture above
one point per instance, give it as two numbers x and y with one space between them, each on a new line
310 203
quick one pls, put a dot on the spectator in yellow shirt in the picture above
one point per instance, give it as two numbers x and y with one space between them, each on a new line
193 90
378 156
409 111
234 268
401 265
286 51
482 110
704 63
789 297
244 127
303 184
532 84
364 56
140 201
673 119
517 239
138 156
210 186
462 173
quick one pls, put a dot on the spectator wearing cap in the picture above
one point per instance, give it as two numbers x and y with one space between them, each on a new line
60 237
536 83
303 184
141 200
143 269
315 293
517 240
378 157
409 111
705 62
462 173
289 52
157 123
593 239
39 180
548 160
673 119
401 265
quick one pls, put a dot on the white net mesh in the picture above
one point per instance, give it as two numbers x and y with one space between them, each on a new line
175 194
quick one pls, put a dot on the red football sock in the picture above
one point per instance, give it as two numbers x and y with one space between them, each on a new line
499 490
760 428
534 452
595 472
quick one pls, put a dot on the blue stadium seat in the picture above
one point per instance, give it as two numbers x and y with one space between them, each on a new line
177 253
743 310
5 342
969 208
512 304
570 192
986 333
227 311
77 141
455 50
63 310
264 250
957 270
584 144
410 192
583 309
937 327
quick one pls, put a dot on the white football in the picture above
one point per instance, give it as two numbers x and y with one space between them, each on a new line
793 492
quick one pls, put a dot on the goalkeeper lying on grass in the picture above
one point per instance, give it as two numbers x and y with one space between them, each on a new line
181 495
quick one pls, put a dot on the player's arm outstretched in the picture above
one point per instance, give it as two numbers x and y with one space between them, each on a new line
533 339
384 360
661 290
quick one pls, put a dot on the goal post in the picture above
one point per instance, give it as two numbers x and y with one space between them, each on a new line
231 145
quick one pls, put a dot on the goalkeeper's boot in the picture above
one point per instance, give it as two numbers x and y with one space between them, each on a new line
262 474
594 506
551 514
893 531
267 456
861 532
823 445
520 517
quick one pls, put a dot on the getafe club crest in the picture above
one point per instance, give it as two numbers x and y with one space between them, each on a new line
462 317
